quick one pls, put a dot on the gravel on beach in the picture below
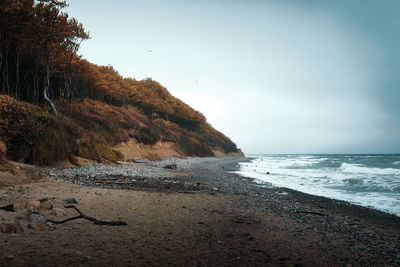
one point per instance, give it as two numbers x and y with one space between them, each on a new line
369 237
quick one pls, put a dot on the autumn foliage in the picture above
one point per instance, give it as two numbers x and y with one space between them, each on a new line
55 104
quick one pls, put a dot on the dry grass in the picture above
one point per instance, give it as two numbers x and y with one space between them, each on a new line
90 129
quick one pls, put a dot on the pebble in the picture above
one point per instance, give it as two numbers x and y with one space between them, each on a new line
58 212
19 217
37 218
70 200
51 226
35 204
45 204
11 227
90 258
31 210
36 225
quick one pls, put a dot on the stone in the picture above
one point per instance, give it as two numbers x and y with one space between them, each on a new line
19 217
46 204
58 212
172 166
37 218
30 210
51 226
36 225
70 200
33 204
11 227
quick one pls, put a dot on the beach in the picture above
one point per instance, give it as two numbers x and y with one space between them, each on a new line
190 211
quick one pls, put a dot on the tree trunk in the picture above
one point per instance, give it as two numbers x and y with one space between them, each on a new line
3 90
47 83
2 71
17 75
76 91
71 91
7 85
35 86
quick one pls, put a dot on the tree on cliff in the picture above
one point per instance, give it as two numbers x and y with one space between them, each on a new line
34 34
55 31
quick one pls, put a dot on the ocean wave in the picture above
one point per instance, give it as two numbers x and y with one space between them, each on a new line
361 169
296 162
354 181
358 179
396 189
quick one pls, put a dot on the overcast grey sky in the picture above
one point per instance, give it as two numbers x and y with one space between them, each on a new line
285 76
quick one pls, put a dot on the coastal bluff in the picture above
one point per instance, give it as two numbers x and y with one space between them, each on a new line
132 150
57 106
91 130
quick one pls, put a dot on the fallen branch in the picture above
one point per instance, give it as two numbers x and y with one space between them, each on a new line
8 208
311 212
83 216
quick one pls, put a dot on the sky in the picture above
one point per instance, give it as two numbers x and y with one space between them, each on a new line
287 76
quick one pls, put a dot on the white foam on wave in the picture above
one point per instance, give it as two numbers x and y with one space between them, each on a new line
272 162
396 163
360 169
356 183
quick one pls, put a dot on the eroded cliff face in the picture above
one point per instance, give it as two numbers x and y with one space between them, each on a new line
132 150
221 153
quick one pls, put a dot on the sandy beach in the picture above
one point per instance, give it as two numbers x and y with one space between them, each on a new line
199 214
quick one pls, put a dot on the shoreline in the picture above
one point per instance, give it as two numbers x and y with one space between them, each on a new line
268 184
198 214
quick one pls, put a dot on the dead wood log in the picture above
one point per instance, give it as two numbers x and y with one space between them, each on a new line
83 216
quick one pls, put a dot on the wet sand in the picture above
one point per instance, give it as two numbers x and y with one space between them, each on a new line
199 214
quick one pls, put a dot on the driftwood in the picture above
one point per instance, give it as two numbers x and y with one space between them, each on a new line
311 212
83 216
8 208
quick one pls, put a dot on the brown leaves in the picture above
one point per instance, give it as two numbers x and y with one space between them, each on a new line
111 108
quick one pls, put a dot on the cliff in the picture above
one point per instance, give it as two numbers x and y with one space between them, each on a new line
99 131
54 105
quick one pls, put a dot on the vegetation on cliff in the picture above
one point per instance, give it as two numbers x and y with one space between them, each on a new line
55 105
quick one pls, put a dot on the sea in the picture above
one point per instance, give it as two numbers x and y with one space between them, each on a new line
366 180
